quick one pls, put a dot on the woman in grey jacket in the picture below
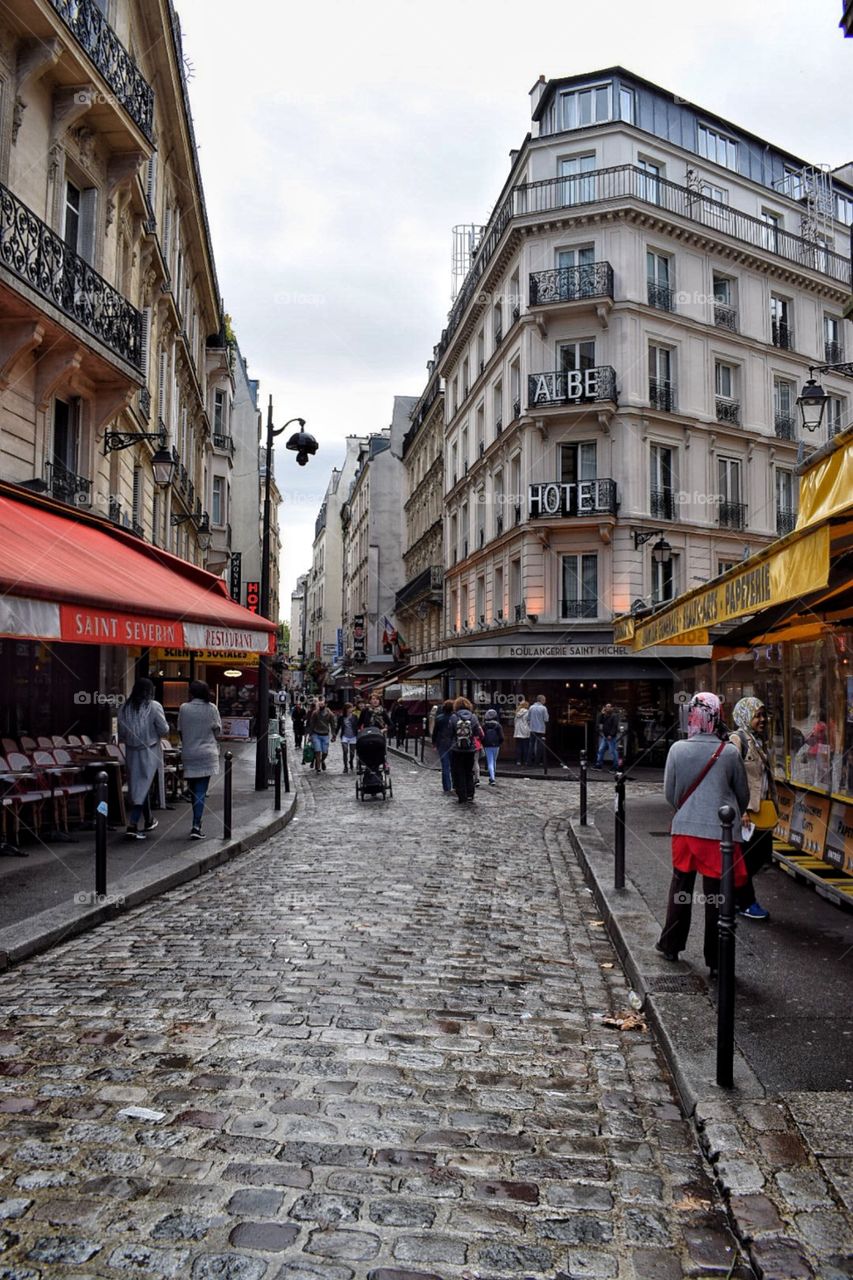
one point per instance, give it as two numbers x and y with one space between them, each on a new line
701 774
199 726
141 724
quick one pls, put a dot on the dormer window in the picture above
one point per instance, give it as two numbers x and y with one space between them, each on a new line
716 146
582 107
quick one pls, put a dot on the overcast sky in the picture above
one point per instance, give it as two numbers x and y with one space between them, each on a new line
341 140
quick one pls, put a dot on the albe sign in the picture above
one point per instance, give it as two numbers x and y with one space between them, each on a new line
573 385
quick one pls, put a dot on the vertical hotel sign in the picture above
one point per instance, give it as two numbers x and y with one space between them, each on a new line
253 597
235 583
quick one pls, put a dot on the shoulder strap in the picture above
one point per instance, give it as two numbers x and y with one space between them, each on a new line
689 792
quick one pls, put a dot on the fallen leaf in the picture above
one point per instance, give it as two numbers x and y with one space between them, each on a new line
626 1021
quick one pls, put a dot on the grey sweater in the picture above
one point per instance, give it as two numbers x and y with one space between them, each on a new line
724 783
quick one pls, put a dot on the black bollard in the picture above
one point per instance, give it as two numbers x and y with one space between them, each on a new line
284 768
226 802
583 782
277 779
423 738
619 833
726 954
101 812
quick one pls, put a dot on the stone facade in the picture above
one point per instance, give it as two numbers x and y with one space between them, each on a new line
419 601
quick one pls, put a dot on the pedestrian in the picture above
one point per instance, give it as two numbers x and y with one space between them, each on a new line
538 720
200 727
297 715
464 728
348 732
749 737
442 740
374 716
141 724
608 735
493 736
400 722
521 732
701 774
321 726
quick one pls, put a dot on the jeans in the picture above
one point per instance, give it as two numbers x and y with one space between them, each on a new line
757 853
522 750
537 748
139 810
446 774
198 791
491 758
320 743
605 745
349 753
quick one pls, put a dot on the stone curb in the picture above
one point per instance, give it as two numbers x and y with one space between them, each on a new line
52 927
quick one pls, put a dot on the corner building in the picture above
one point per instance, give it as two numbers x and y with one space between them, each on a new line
621 366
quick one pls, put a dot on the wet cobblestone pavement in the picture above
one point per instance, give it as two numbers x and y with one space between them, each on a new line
372 1048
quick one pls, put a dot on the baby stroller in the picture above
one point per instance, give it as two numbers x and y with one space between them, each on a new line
372 777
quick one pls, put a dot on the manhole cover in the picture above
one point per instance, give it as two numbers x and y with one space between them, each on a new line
675 982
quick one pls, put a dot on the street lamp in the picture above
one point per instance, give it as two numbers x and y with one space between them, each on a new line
813 399
304 445
661 551
202 527
163 463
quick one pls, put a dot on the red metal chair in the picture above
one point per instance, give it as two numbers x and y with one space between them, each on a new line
72 780
29 789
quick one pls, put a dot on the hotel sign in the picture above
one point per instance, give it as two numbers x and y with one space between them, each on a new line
586 498
571 386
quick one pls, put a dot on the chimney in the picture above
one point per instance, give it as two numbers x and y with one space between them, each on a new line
536 93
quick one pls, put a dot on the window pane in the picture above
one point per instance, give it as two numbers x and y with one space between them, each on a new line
570 577
585 107
602 103
626 105
587 460
589 571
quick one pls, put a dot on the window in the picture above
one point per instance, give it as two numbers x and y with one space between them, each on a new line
497 321
464 527
464 451
836 415
481 601
663 581
454 609
725 309
579 595
481 430
659 279
515 486
661 384
578 462
464 618
516 602
723 566
626 105
786 501
481 350
499 500
454 540
498 608
725 390
784 408
714 205
454 474
791 183
715 146
832 345
732 510
578 189
781 331
71 225
66 436
844 208
772 227
515 296
649 180
574 356
466 381
497 406
586 106
662 482
515 388
218 514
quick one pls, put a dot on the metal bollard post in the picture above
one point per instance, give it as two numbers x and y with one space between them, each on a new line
277 779
226 804
423 738
726 954
101 811
284 767
619 833
583 782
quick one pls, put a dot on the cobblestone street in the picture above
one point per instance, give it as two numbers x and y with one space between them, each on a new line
373 1047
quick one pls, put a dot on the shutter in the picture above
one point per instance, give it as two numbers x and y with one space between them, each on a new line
88 211
161 387
145 340
137 495
167 234
151 180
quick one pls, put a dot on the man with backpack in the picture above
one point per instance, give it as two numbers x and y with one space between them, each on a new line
464 729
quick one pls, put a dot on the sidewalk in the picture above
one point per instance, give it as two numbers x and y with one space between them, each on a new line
558 770
48 896
781 1141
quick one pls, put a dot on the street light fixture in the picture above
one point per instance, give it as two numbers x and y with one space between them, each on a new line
163 463
202 527
661 551
813 399
304 446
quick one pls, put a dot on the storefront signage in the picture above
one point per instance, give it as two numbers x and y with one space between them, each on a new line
809 817
561 651
785 807
99 626
358 653
235 575
577 386
588 497
253 596
205 655
839 836
197 635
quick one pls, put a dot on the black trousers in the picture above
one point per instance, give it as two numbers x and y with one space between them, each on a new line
462 772
679 910
757 853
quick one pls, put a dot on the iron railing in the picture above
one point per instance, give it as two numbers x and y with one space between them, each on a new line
786 521
570 284
732 515
662 504
39 257
662 394
728 410
114 509
584 608
833 351
565 386
725 316
630 183
785 424
96 37
660 296
587 497
782 335
223 442
66 486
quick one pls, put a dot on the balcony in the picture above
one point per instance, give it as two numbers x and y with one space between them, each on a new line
106 52
727 410
662 394
660 296
571 284
725 316
586 498
782 335
571 386
786 521
41 259
65 486
833 352
732 515
786 425
226 443
586 608
662 504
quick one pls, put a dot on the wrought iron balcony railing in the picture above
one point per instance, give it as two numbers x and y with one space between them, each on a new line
114 509
662 394
728 410
585 608
786 521
221 441
782 335
107 53
662 504
786 425
732 515
725 316
833 351
66 486
585 498
660 296
571 386
571 284
39 257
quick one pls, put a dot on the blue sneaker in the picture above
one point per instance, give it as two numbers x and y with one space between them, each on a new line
755 912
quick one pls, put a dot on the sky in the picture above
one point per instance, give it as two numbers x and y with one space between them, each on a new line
341 141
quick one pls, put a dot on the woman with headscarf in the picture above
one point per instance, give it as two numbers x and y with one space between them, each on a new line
141 724
750 717
702 773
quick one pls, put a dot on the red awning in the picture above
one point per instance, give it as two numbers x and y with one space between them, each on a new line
74 577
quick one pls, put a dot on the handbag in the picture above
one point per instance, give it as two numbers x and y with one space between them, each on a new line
766 817
308 753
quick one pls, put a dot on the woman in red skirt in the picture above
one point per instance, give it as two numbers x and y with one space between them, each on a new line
702 773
